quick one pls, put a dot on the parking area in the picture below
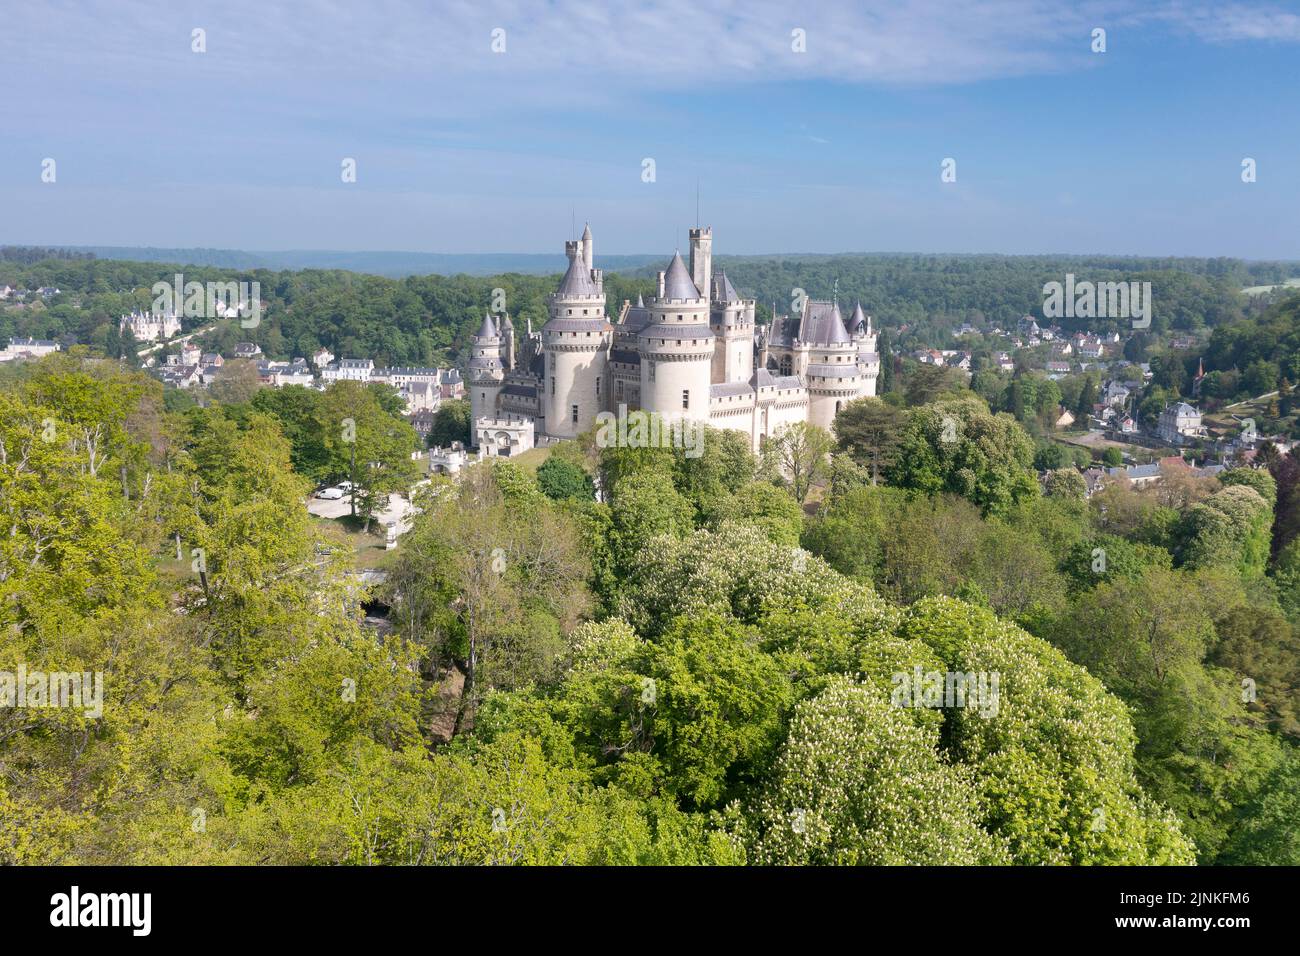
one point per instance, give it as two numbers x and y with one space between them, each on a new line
398 511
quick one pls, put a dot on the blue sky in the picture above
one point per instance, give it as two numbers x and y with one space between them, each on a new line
836 149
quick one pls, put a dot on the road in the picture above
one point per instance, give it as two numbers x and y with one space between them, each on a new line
177 340
1257 398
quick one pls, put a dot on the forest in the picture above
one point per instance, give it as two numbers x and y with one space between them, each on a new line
702 666
427 320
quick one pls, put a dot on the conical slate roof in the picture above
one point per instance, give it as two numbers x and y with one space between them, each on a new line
822 324
577 281
486 330
858 321
723 290
586 232
678 283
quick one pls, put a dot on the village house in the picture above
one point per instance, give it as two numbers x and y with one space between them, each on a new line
422 422
1179 423
451 385
1115 394
28 348
348 370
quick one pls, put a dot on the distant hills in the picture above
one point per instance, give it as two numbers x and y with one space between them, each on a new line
390 264
396 265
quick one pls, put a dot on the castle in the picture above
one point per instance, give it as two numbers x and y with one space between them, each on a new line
151 326
691 352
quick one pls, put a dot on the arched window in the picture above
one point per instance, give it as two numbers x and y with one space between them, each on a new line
786 366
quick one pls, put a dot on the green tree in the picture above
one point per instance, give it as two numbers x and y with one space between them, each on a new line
1051 750
560 480
799 454
451 424
870 431
1065 483
958 446
765 506
366 443
859 783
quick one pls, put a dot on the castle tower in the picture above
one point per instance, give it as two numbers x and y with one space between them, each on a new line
829 356
508 341
868 357
732 321
677 347
486 370
576 341
702 258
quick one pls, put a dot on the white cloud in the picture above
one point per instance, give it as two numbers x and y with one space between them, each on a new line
1224 23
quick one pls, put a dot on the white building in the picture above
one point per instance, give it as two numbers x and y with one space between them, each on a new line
348 370
397 377
1178 423
27 349
420 396
151 326
296 372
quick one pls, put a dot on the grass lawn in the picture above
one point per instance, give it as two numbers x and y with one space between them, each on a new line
1257 289
532 459
175 575
816 495
367 548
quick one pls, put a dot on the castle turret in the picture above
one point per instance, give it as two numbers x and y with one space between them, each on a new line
868 358
486 370
732 321
677 348
828 356
576 342
507 329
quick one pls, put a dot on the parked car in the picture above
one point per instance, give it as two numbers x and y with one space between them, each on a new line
330 494
346 485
